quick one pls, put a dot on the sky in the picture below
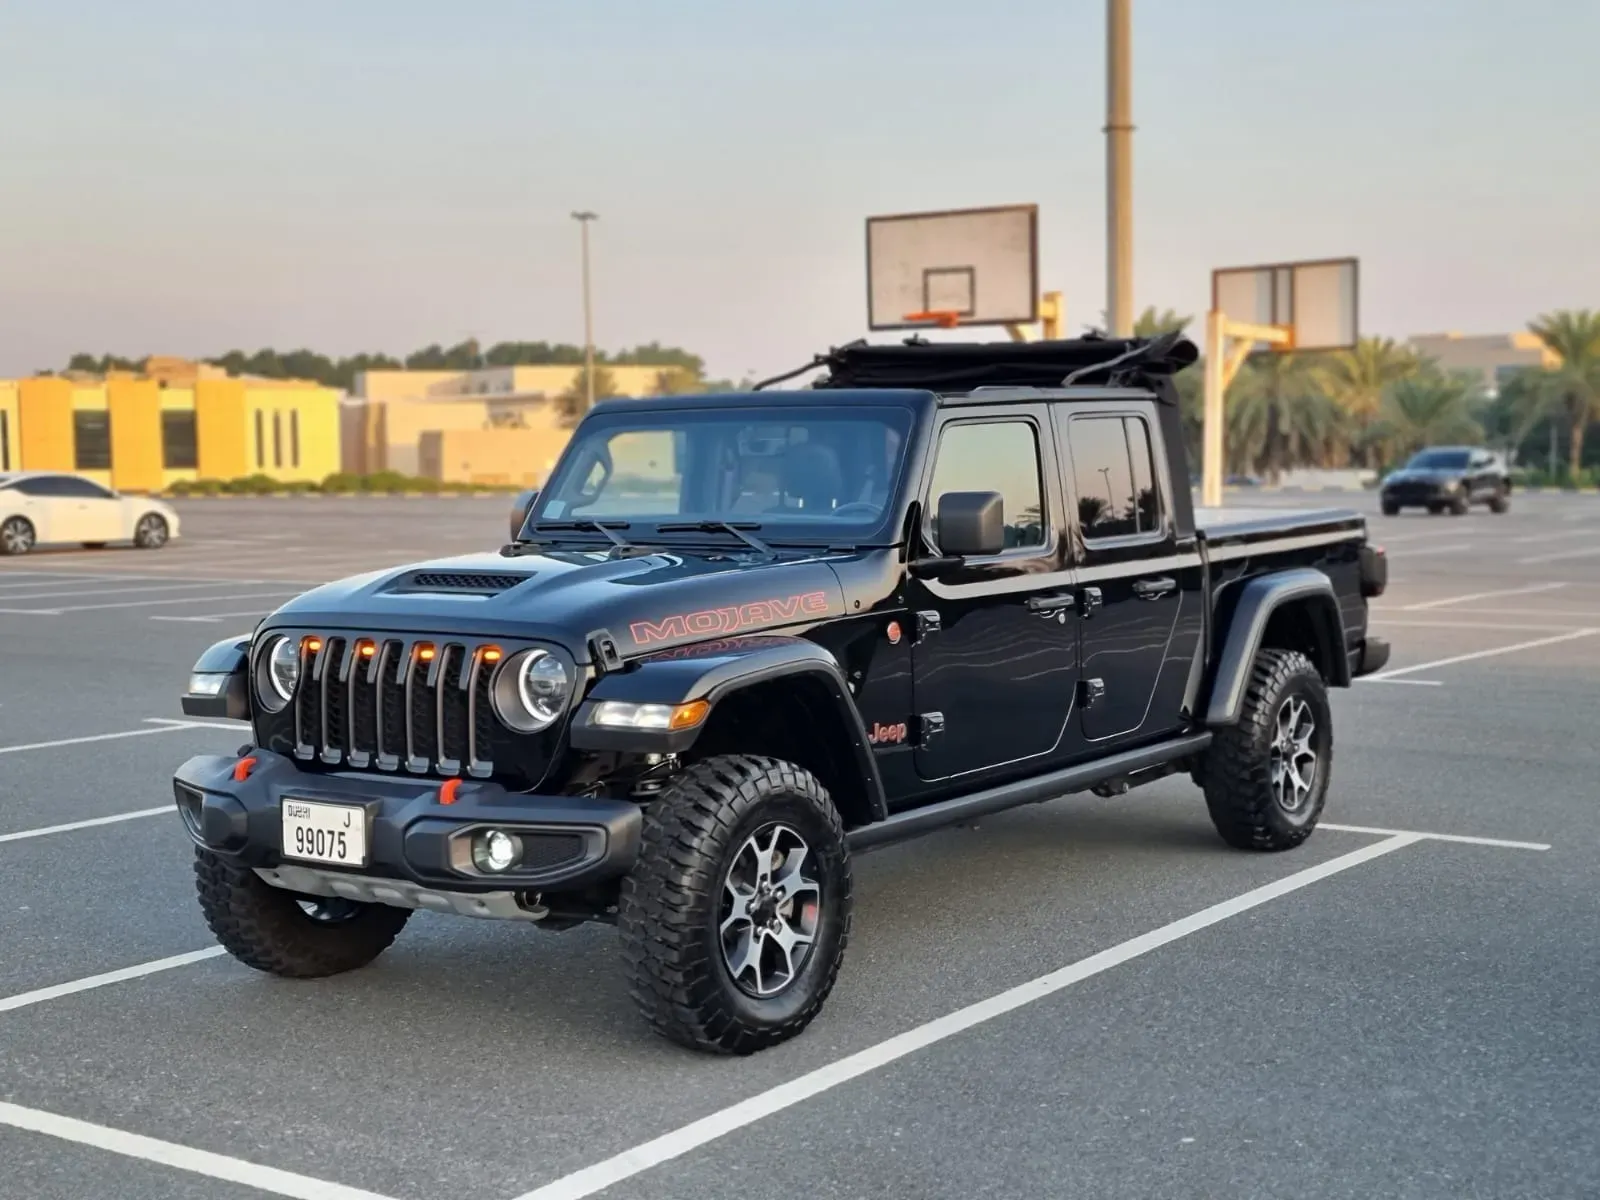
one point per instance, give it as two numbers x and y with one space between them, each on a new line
188 177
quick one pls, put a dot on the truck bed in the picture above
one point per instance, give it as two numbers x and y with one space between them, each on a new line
1256 526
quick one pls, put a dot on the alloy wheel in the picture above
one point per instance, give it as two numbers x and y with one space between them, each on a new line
1293 759
771 908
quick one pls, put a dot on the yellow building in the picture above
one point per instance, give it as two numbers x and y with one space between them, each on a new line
1493 357
430 422
144 433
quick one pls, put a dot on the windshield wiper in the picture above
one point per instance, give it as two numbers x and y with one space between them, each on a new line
737 529
617 541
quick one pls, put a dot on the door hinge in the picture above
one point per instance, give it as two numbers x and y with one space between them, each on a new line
929 726
1090 691
1092 599
928 622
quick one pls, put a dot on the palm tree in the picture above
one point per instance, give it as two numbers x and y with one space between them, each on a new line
1426 409
1574 338
1152 323
1357 379
1279 416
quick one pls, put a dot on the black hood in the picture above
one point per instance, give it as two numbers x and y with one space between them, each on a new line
645 603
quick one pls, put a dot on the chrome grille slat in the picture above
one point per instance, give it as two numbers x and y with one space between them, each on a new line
348 707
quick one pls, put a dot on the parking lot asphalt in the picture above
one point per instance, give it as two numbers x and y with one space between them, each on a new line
1089 997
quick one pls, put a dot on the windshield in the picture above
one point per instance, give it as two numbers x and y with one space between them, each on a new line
1439 460
802 474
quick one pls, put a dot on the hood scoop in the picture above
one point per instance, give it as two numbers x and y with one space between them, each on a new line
476 583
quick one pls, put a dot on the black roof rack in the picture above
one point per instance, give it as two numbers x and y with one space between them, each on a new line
963 366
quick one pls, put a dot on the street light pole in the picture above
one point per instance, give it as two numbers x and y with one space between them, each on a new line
583 219
1119 167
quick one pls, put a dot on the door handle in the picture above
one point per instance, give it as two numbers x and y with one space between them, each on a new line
1050 603
1151 589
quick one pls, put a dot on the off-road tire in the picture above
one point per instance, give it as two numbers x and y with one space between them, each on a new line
264 927
17 536
1236 773
668 913
1501 501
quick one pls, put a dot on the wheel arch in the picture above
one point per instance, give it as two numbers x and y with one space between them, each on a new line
769 695
1288 610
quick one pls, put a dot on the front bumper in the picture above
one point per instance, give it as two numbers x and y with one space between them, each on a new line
1419 491
418 846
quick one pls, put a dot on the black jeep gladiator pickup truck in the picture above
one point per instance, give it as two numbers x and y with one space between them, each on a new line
737 638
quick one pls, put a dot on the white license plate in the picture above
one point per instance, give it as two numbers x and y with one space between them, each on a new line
330 833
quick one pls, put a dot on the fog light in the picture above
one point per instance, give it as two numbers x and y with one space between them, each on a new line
496 850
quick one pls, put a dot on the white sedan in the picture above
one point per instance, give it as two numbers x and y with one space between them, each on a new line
47 507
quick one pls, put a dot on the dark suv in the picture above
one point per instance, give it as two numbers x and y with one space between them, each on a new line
737 639
1447 479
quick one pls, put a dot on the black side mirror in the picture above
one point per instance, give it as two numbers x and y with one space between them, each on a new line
970 524
520 508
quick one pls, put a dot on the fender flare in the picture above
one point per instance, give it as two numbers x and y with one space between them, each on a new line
1258 599
225 667
714 671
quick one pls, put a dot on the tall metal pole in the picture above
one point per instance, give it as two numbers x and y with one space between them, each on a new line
583 219
1216 385
1119 167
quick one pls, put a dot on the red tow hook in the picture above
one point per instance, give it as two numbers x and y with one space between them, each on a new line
447 793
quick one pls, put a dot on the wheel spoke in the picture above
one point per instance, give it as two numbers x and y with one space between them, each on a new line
746 954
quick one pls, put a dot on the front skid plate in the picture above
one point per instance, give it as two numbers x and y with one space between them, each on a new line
399 893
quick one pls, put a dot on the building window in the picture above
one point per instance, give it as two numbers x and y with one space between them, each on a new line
179 448
277 439
91 436
261 439
294 437
5 441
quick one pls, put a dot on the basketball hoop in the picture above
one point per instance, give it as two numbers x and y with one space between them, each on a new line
943 318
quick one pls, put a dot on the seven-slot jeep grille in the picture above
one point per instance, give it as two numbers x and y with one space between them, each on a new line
394 704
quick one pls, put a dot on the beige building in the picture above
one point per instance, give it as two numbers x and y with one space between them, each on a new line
1492 356
494 425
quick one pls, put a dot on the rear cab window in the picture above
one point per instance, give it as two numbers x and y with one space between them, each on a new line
1116 488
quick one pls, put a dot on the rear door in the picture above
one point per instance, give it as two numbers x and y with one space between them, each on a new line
96 514
1135 579
995 658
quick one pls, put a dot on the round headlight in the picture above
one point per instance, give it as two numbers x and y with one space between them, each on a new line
531 690
280 672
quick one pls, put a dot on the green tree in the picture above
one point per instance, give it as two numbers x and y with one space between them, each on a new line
1280 417
574 402
1153 323
1428 408
1573 384
677 381
1357 381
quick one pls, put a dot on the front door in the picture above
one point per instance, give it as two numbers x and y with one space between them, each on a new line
995 657
96 514
1133 581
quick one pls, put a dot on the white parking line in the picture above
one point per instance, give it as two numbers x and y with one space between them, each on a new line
1381 619
106 979
158 725
213 618
72 608
183 1158
1382 676
629 1163
126 591
1460 838
45 830
1544 558
1519 591
1413 682
1407 555
1559 535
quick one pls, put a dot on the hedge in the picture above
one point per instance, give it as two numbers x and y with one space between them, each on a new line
338 484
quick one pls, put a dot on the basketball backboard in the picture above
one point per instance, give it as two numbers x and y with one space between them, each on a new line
981 264
1315 300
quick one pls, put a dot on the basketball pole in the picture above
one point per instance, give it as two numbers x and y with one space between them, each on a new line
1052 315
1223 364
1119 167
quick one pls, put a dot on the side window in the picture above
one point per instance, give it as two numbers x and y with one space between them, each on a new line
41 485
79 489
1115 474
994 456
